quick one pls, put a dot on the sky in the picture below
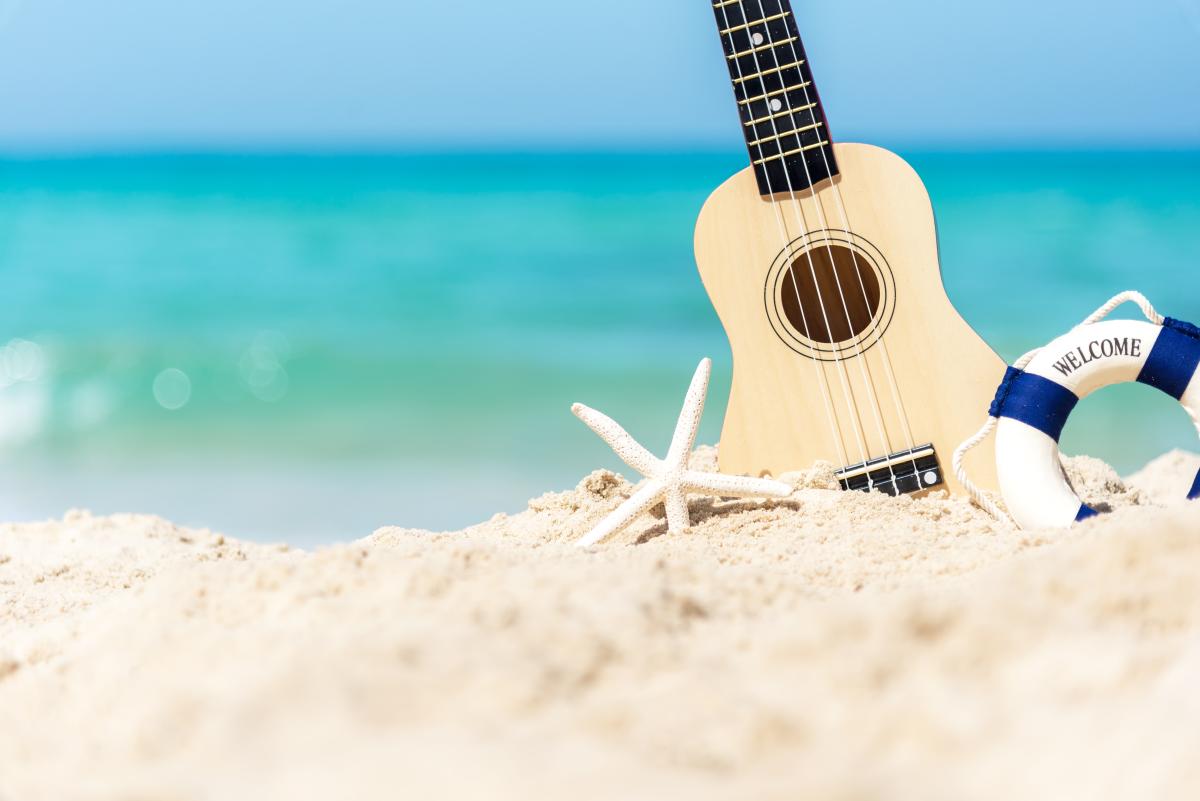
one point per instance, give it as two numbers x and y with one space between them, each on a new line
87 75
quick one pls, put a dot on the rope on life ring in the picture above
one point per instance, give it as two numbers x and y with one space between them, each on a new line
1042 388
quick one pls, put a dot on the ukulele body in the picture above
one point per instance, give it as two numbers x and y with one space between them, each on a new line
845 345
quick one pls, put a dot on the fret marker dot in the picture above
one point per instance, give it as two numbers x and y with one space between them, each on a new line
757 39
930 478
776 104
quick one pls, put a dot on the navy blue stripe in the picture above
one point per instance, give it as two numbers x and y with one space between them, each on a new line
1173 361
1002 392
1085 512
1035 401
1195 493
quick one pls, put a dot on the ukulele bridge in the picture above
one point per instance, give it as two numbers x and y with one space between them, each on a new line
901 473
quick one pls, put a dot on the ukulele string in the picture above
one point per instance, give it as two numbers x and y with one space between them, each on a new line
800 221
819 367
901 410
864 368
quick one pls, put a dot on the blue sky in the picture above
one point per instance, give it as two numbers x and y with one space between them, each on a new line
231 74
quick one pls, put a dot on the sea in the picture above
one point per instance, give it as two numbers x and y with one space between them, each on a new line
305 348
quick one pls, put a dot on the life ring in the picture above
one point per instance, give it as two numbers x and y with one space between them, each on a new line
1033 403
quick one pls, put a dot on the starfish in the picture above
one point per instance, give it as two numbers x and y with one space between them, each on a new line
670 478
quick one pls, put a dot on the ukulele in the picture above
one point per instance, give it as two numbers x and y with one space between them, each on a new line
821 260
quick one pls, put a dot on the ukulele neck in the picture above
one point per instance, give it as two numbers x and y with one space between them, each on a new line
782 118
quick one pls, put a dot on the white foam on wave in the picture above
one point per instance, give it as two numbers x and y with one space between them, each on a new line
24 409
21 360
24 393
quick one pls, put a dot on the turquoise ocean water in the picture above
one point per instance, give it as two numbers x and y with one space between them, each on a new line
306 348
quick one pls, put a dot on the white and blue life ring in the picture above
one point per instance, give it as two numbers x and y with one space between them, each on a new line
1033 404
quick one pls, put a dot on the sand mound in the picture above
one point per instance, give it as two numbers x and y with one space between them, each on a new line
832 646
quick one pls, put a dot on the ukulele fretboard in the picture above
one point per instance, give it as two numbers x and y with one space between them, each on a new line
783 121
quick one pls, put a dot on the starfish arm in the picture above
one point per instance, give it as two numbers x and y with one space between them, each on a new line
689 417
735 486
620 517
625 446
677 510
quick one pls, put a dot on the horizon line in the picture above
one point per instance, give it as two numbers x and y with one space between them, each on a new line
397 150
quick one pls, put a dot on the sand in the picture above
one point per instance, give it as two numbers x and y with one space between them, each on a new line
834 646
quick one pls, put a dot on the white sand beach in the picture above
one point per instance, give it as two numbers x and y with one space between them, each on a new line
833 646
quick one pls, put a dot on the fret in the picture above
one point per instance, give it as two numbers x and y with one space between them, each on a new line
754 35
785 134
763 47
787 112
738 16
784 90
773 67
803 149
744 9
747 25
779 142
790 88
773 87
798 101
766 73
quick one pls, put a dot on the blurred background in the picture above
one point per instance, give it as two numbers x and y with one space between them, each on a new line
298 270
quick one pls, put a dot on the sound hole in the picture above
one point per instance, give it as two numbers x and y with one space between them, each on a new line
830 294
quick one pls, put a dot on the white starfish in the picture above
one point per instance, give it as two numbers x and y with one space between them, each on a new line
670 478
